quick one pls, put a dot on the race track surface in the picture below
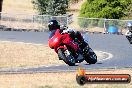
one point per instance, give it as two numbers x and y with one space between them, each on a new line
117 45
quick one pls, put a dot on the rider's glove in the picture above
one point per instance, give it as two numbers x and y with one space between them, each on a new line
68 31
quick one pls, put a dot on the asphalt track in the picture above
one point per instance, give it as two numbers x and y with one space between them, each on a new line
117 45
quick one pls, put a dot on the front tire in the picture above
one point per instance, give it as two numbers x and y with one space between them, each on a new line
129 39
90 56
67 58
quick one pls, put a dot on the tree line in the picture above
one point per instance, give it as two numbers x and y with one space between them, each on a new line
112 9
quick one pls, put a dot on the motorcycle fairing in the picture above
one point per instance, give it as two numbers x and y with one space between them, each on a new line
59 40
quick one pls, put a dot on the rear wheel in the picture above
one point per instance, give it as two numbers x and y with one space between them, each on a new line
66 56
90 56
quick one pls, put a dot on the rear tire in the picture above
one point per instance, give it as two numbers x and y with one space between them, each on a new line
68 59
129 39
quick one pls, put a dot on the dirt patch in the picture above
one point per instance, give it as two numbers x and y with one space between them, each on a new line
57 80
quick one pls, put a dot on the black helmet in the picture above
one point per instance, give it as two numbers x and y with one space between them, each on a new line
53 25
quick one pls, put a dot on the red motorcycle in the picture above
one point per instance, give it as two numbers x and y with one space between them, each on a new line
69 50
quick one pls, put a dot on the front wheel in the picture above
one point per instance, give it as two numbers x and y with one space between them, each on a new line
66 56
90 56
129 39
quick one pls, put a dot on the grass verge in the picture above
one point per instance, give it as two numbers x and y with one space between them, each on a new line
18 6
15 54
23 55
57 80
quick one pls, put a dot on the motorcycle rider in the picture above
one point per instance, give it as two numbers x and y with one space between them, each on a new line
129 32
129 25
53 25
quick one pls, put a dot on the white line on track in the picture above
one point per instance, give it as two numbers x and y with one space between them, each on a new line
109 56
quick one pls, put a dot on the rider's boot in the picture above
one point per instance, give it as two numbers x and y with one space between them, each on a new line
84 44
80 38
80 55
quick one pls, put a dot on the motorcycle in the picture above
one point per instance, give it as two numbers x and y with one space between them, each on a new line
128 34
70 50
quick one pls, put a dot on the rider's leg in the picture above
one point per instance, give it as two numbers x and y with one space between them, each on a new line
80 38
